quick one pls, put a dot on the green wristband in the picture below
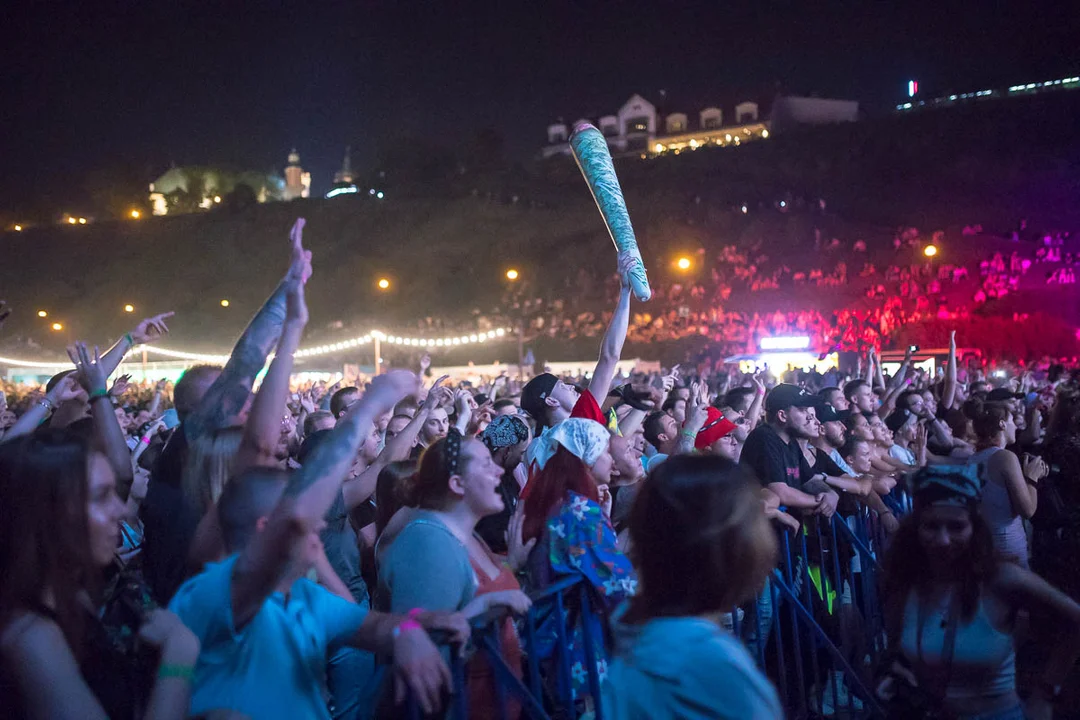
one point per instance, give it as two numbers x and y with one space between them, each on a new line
687 433
131 340
185 672
99 394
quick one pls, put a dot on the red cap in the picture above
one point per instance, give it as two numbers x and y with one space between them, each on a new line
715 427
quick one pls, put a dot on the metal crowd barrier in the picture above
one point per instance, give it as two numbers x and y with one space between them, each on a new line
534 699
820 613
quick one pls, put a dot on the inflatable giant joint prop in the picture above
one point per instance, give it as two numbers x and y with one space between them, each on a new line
594 160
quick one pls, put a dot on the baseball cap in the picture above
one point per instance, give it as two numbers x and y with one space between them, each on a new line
535 392
826 412
897 419
786 395
716 426
1000 394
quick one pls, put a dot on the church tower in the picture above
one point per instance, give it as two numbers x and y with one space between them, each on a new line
297 182
344 176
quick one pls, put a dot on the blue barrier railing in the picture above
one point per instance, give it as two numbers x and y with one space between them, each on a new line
533 698
819 613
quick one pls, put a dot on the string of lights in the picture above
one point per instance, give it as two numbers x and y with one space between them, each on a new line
310 352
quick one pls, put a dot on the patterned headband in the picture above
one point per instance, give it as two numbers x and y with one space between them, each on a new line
452 454
504 431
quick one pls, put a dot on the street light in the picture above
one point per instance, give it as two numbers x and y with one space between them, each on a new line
930 251
384 284
57 326
511 274
683 263
224 303
129 308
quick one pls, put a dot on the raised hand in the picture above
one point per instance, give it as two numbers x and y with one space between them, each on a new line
66 389
392 387
306 403
626 263
88 370
438 395
160 386
300 261
606 499
151 329
425 363
517 551
120 386
758 379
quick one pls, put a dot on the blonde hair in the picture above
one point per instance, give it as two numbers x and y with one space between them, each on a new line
210 462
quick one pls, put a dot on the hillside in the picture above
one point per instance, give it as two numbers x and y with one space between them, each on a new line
445 238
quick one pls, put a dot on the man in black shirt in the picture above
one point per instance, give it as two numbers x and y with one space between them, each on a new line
773 454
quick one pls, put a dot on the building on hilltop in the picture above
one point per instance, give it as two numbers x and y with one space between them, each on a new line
639 128
297 182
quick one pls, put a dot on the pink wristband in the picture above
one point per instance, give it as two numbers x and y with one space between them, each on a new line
405 626
146 439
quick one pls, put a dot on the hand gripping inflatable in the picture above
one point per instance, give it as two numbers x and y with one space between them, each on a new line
591 153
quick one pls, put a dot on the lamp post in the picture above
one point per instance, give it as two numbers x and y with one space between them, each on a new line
512 275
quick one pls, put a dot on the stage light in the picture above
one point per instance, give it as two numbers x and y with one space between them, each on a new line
797 342
930 251
224 303
384 284
511 274
42 314
683 263
57 326
129 308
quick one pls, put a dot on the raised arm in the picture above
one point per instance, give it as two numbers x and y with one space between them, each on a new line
155 404
753 415
91 374
948 393
263 429
147 331
229 393
615 337
309 494
66 389
397 448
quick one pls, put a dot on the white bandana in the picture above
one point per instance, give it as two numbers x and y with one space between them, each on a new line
585 439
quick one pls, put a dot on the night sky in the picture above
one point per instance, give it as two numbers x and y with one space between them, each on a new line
133 87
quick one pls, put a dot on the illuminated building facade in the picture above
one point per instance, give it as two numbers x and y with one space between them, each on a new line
297 182
638 128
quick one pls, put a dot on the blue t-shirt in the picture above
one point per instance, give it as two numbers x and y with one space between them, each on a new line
687 668
275 666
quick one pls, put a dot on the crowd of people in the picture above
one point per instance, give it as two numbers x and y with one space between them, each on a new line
206 550
867 308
